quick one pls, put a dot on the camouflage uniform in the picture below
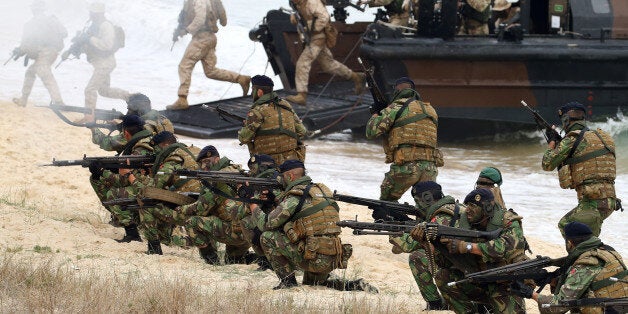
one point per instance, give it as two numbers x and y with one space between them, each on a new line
397 14
158 221
507 249
273 128
475 16
410 143
41 41
303 238
588 268
201 17
209 219
590 171
100 51
317 19
153 122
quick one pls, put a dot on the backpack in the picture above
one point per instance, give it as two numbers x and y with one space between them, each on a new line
120 38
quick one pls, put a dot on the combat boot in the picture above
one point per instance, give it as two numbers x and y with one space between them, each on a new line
154 247
245 82
209 255
20 102
287 282
130 234
359 82
180 104
298 99
436 306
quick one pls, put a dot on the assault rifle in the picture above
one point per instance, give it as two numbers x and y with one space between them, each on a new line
115 162
99 114
228 114
302 29
245 192
16 54
549 129
78 41
398 228
610 305
180 26
385 209
380 101
530 269
132 202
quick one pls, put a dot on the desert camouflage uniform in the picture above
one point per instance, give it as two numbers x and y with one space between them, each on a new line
475 16
507 249
596 189
158 221
412 153
201 19
317 18
41 41
153 122
588 268
397 15
273 128
100 54
209 219
304 253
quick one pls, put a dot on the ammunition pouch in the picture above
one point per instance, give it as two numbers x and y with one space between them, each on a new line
564 177
596 191
331 36
295 231
330 246
407 153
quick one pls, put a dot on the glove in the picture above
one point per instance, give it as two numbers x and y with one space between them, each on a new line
418 233
552 135
455 246
17 52
519 289
380 214
96 171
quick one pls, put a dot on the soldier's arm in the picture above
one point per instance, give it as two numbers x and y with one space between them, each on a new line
405 243
320 14
254 120
166 175
202 206
200 14
107 142
222 15
105 39
299 127
554 157
282 213
380 124
499 249
578 279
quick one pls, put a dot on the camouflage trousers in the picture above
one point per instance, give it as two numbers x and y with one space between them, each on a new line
286 257
591 213
252 234
42 68
204 231
100 82
401 177
464 298
317 51
111 186
419 265
157 223
202 48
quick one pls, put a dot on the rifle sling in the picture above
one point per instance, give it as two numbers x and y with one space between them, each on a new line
128 148
456 216
593 154
574 146
596 285
311 210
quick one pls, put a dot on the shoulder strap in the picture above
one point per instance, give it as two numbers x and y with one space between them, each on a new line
456 215
575 145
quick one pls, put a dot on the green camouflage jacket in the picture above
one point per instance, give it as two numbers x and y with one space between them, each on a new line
381 124
255 119
286 208
555 157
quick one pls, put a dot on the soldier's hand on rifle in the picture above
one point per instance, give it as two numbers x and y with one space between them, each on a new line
520 289
455 246
552 136
17 52
418 233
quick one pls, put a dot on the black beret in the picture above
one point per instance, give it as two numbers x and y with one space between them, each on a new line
207 151
162 136
405 79
479 197
574 105
261 159
577 230
420 187
132 120
262 80
291 164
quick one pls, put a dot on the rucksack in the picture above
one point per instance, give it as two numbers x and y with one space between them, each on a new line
120 38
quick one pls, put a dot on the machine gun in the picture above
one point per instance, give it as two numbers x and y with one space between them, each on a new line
302 29
380 101
610 305
550 132
530 269
228 114
248 184
180 26
385 210
115 162
99 114
340 9
397 229
16 54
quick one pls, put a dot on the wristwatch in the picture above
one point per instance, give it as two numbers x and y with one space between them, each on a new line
469 247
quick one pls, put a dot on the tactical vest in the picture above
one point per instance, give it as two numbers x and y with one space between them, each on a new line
210 15
395 7
413 135
189 162
474 9
601 286
445 205
277 134
139 140
593 165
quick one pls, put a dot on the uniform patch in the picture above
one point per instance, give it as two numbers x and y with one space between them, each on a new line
573 271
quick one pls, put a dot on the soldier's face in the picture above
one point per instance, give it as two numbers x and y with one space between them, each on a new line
474 213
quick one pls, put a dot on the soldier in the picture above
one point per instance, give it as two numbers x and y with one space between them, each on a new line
482 213
398 11
490 178
199 19
425 194
505 14
157 221
586 275
138 104
109 185
100 44
42 40
210 220
301 232
475 16
409 127
317 26
586 162
271 126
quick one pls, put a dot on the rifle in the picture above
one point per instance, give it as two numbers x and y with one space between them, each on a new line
144 201
542 123
611 305
396 228
16 54
115 162
231 178
380 101
224 113
180 26
302 29
530 269
394 210
78 41
99 114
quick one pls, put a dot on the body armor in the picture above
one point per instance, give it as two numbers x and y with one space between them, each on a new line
601 287
278 132
413 136
477 10
210 15
189 162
